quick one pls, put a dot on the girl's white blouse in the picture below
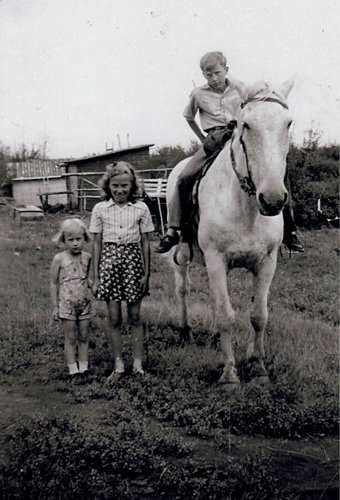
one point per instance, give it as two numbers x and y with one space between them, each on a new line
121 225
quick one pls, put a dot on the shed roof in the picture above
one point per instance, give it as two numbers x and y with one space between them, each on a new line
108 154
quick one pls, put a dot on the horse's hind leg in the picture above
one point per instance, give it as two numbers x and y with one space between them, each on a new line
259 317
182 290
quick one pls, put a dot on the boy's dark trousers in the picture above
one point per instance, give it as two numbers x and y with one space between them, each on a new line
180 208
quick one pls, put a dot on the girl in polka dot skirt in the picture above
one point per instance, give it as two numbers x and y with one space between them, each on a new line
121 258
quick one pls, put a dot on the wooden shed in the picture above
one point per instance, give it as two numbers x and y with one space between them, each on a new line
83 174
32 177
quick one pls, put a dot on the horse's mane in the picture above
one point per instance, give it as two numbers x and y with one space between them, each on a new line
261 90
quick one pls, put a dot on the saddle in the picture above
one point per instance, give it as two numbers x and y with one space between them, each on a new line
213 145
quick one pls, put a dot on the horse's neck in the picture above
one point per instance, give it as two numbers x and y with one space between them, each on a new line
224 178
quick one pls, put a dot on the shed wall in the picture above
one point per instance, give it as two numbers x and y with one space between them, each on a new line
138 159
25 191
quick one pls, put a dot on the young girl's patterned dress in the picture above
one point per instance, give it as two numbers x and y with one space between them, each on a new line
74 292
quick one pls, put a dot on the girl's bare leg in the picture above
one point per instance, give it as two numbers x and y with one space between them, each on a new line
70 332
83 344
136 334
115 318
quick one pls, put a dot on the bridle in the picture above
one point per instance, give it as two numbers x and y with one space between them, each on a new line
246 182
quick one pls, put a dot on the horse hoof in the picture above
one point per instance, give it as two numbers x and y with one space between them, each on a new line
261 380
228 380
257 371
228 387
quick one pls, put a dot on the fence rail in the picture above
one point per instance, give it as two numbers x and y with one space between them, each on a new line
144 171
154 188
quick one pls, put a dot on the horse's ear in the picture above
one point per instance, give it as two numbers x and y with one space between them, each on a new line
287 86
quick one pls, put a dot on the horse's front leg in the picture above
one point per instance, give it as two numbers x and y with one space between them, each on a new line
259 315
223 313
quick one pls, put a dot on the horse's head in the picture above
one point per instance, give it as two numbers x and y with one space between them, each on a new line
260 145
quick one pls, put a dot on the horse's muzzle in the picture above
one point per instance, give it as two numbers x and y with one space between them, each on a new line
272 207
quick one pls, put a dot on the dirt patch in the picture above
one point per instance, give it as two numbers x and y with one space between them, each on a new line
309 466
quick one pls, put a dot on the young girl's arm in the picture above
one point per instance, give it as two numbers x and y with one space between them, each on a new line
96 253
89 260
55 268
146 258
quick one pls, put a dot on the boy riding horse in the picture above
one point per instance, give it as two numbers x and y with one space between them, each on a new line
217 102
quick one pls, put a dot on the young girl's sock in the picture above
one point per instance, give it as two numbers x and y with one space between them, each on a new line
73 368
83 366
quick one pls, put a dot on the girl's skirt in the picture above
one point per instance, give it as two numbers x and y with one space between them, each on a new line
120 271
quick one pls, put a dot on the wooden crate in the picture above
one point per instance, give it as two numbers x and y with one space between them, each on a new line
27 213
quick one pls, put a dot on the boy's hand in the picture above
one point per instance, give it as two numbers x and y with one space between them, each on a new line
95 285
144 283
55 314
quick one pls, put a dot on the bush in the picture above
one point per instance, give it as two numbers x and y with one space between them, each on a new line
313 174
61 458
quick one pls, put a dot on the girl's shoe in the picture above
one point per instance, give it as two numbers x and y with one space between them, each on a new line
114 377
138 371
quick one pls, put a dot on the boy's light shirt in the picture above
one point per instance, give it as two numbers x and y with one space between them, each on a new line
215 108
121 225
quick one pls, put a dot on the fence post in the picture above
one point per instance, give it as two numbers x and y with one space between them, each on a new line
81 192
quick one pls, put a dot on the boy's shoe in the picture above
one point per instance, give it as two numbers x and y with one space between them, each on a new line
293 243
167 243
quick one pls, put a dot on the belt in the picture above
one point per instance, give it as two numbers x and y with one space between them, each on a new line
215 128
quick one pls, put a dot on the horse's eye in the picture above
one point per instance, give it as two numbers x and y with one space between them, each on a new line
289 124
246 126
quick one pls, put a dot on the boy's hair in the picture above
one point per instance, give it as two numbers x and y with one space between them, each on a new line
70 226
211 58
122 167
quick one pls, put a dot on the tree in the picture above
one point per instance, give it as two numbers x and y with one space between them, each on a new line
4 159
23 153
169 156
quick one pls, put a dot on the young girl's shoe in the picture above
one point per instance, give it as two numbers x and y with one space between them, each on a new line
74 379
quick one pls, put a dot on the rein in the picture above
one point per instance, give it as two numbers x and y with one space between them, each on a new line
246 182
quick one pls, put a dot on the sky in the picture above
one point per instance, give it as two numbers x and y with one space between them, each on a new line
86 75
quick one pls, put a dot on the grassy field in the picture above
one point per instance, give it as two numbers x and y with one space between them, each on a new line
174 434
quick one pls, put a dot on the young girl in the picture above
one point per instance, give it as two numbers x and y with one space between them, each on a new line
70 292
121 258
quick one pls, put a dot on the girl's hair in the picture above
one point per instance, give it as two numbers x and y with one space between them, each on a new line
211 58
71 226
122 167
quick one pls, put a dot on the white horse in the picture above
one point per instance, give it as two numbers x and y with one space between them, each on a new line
240 217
